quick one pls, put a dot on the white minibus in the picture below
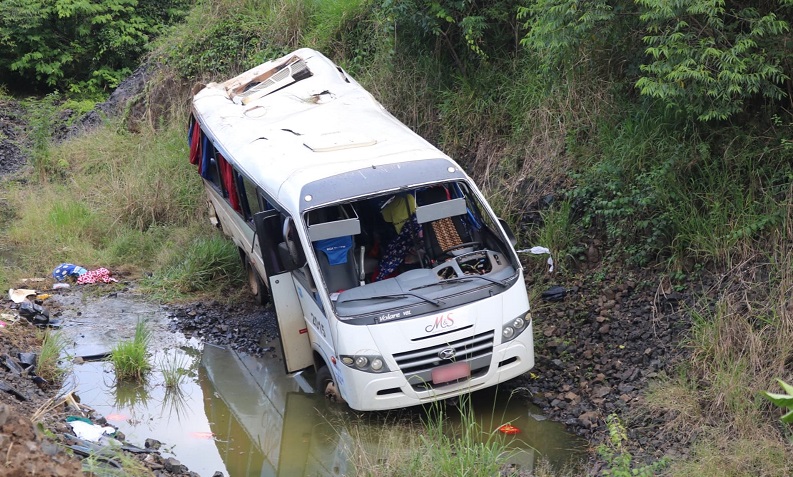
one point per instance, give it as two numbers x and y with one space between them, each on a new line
388 271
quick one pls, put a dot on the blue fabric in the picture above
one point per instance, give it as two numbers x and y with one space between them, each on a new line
335 248
65 270
190 130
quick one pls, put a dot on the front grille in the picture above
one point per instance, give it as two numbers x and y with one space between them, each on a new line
417 365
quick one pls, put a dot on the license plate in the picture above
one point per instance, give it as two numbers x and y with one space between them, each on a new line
450 372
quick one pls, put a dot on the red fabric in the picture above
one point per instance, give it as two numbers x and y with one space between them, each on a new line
227 175
195 144
98 275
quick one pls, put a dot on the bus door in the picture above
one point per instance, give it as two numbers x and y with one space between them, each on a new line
291 323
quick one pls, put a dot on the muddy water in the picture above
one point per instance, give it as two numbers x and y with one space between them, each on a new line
242 416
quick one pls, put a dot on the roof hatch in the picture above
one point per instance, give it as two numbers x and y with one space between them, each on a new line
291 71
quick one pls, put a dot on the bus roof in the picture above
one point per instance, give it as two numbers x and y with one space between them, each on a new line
299 126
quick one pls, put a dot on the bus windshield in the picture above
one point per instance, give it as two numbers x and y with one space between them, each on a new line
429 248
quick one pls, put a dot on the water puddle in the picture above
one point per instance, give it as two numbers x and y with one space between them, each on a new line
243 416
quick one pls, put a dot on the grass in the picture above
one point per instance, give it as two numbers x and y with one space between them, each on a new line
560 234
128 202
651 187
433 448
738 346
125 464
130 357
174 369
48 366
206 261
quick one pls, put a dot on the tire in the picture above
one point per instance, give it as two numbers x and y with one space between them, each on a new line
213 216
256 284
327 386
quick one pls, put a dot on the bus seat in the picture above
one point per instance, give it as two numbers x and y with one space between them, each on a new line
443 234
336 258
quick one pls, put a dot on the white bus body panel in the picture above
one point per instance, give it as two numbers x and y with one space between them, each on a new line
361 389
291 324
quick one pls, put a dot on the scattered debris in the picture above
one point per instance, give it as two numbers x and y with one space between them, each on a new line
68 270
94 276
536 250
20 294
556 293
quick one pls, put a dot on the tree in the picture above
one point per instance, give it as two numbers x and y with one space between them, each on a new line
80 45
707 58
710 57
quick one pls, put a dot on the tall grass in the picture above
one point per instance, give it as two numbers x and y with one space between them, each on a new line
48 365
738 347
173 369
130 357
127 200
560 234
205 262
435 448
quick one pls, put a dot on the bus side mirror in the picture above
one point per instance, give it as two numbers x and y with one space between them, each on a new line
287 262
511 236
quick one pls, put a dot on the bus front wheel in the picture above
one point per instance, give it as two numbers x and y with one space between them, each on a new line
327 386
256 284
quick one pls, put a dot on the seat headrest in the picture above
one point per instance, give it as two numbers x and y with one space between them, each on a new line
335 249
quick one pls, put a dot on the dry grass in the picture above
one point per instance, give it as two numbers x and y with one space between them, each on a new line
737 350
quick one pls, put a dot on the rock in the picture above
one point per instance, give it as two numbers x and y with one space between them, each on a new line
600 391
152 444
604 329
173 465
587 419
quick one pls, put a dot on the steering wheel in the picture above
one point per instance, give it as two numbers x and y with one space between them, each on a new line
460 246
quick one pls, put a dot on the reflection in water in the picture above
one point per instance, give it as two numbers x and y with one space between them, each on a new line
242 416
174 404
265 425
174 417
131 396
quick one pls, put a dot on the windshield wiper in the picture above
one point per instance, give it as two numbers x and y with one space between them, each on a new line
394 296
466 278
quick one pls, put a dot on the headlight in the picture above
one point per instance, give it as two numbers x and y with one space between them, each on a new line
365 362
515 327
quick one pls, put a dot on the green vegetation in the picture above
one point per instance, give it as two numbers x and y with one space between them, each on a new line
435 448
663 132
785 401
112 462
173 369
80 47
47 366
130 357
618 460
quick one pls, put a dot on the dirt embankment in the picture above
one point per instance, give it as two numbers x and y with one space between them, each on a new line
601 345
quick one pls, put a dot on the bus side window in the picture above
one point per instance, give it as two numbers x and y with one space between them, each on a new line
211 171
251 203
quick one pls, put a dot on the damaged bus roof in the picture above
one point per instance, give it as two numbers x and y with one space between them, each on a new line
300 127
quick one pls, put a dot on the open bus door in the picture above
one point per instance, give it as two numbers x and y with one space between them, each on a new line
291 323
